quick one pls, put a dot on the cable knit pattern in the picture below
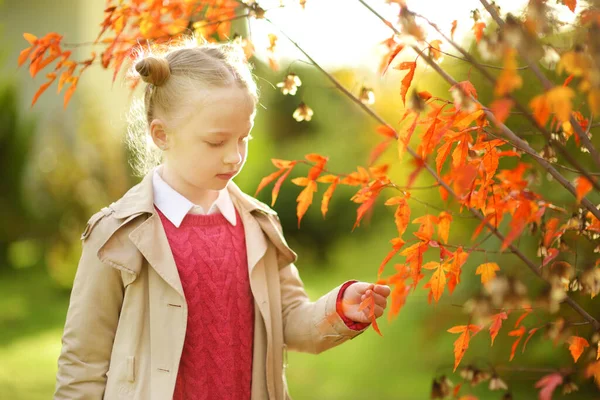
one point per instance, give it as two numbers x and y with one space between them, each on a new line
211 258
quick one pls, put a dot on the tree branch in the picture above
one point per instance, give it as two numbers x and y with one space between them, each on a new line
561 149
547 86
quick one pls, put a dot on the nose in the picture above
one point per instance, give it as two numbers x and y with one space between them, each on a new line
233 156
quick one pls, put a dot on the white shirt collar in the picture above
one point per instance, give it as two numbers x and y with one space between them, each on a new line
175 206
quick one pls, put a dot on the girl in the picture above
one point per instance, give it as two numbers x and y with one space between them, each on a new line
186 287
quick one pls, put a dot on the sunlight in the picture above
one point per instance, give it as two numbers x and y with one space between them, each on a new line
341 33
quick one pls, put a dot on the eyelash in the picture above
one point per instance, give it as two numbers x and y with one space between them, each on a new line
247 138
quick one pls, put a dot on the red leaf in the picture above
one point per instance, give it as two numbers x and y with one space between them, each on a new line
519 334
497 324
277 186
577 345
548 384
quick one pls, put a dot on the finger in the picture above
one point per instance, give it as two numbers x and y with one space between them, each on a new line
378 311
380 300
383 290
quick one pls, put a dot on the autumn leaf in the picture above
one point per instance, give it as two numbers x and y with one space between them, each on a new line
571 4
501 109
453 29
51 76
397 244
334 180
548 384
487 271
582 187
369 302
531 332
406 81
305 197
497 324
404 137
437 282
519 334
402 214
577 345
462 343
400 289
444 220
478 28
388 58
458 259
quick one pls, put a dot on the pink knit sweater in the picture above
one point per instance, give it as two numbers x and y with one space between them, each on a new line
210 255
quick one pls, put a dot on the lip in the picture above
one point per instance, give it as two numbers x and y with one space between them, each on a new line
227 176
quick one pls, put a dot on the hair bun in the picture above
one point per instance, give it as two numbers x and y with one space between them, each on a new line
154 70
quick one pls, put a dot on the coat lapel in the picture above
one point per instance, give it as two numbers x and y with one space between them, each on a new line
151 241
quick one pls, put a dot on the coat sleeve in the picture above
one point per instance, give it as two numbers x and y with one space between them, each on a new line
311 327
90 325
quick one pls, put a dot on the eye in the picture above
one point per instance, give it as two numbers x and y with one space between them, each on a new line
219 144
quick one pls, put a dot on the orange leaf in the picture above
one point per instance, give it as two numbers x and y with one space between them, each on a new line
402 214
30 38
528 311
497 324
389 58
305 198
404 137
428 223
397 244
459 258
582 187
400 291
577 345
501 109
277 186
571 4
51 76
478 28
70 92
444 220
327 196
369 302
282 163
453 29
517 224
437 282
462 343
531 332
487 271
386 131
23 55
268 179
519 334
406 81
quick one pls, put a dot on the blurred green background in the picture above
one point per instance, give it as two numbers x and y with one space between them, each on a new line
58 167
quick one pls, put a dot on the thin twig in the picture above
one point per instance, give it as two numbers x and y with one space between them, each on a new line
482 64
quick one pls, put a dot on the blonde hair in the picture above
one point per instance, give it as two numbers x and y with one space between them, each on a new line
172 73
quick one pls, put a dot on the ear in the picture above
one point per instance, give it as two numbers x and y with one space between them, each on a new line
158 131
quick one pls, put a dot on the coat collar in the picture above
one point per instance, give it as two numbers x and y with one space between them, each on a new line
140 199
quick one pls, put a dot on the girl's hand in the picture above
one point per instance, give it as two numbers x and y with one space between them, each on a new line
357 292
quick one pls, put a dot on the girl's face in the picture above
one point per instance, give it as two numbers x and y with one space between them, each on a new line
209 145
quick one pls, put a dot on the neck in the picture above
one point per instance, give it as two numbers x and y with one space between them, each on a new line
202 197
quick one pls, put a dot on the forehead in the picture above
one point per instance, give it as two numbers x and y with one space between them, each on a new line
223 108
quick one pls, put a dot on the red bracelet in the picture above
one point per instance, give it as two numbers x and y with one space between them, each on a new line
357 326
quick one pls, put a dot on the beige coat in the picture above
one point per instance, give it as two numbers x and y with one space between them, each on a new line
127 316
